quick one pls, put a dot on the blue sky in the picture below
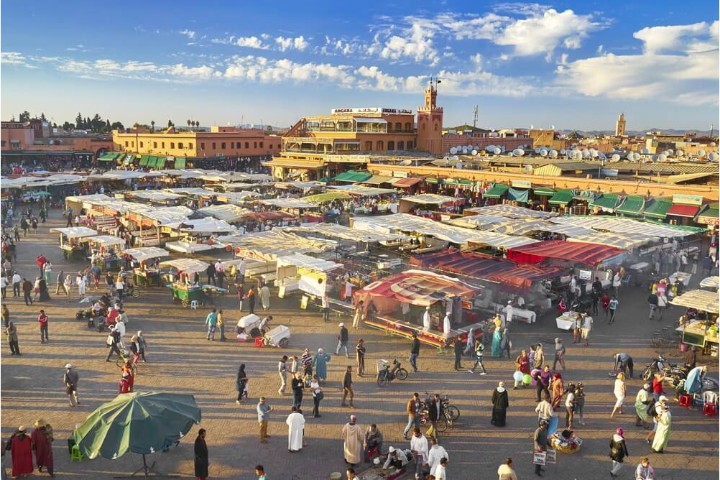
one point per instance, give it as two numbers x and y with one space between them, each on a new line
568 64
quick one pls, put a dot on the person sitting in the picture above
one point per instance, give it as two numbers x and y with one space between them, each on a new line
396 458
373 441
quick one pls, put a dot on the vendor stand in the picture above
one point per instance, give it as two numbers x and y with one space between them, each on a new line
104 249
181 282
71 241
146 274
700 332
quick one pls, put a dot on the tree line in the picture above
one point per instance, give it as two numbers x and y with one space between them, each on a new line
96 124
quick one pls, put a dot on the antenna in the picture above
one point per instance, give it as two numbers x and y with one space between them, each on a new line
475 117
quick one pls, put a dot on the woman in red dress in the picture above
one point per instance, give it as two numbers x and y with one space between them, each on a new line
21 450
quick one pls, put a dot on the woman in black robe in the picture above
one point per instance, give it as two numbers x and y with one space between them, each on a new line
44 294
500 404
201 456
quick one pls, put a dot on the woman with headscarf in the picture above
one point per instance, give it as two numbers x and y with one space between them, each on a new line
557 387
500 404
664 422
241 383
42 438
642 400
44 294
618 451
320 363
21 453
496 341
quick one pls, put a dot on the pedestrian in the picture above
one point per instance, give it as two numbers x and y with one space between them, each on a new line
3 286
542 382
352 442
586 329
557 390
42 438
618 451
396 458
617 282
317 395
70 380
67 284
506 471
624 363
613 308
570 407
458 349
577 328
241 382
211 322
325 306
221 325
296 428
250 297
265 297
210 272
540 444
82 285
343 338
426 319
419 449
297 384
240 294
505 343
373 442
479 349
43 323
580 403
219 273
347 388
320 362
16 284
440 472
664 423
413 412
539 358
605 303
360 357
643 399
21 453
436 454
414 351
559 354
113 343
661 305
282 371
619 392
644 471
500 405
27 288
142 344
358 314
202 462
263 411
260 472
11 332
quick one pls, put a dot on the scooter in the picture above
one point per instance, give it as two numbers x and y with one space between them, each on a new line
669 370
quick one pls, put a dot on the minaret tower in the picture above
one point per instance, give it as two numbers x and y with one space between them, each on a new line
620 126
430 122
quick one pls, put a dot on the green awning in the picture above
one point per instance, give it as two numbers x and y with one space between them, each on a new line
544 191
496 191
180 163
449 181
632 205
152 161
108 157
462 181
561 197
658 208
585 195
353 176
710 215
431 180
129 159
607 200
144 160
160 162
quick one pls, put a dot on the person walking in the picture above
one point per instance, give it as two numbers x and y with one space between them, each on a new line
580 403
317 395
11 332
458 349
539 358
221 325
319 363
506 471
559 354
347 388
540 443
297 384
70 380
414 351
644 471
360 357
542 382
263 411
21 453
240 294
479 349
113 342
419 449
67 284
500 403
211 322
16 284
352 442
664 423
619 392
343 338
296 427
586 329
358 314
241 381
43 323
612 307
264 294
260 472
505 343
210 272
250 297
202 462
413 412
570 407
643 399
27 288
436 454
3 286
42 438
618 451
282 371
142 345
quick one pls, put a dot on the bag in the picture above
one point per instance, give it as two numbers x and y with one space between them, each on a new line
319 395
430 431
109 341
651 409
539 458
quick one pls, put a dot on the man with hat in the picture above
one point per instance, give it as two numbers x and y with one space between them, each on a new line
21 453
509 310
396 458
540 443
70 379
42 438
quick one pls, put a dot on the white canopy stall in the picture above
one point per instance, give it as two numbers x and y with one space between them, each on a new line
303 272
71 240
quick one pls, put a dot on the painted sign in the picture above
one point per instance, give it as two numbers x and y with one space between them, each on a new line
684 199
522 183
372 110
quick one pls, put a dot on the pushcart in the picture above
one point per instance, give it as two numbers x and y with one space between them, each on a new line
186 295
277 337
249 324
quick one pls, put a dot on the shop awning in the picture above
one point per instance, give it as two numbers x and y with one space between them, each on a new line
496 191
128 159
658 208
160 162
632 205
577 252
544 191
607 201
108 157
680 210
179 163
518 195
406 182
378 179
561 197
144 160
709 216
431 180
353 176
152 162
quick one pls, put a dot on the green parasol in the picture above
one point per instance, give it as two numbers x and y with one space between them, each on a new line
137 422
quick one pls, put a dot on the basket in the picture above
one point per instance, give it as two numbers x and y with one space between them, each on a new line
381 364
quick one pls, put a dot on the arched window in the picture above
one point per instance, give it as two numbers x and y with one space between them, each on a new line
379 146
401 146
391 145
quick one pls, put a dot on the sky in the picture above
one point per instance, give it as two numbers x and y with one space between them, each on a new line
565 64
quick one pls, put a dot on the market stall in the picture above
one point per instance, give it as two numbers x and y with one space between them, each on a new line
303 272
181 283
104 250
701 332
71 241
146 274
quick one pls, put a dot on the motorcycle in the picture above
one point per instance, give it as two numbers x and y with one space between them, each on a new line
672 371
386 374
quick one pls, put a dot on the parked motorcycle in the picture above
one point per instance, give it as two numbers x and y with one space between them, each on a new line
386 374
672 371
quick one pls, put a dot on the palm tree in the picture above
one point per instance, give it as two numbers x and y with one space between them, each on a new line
152 123
190 123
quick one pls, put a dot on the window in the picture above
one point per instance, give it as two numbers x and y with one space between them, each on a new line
261 144
3 143
408 127
190 146
379 146
247 144
172 145
401 146
222 145
163 144
127 144
391 145
180 145
409 145
213 145
254 144
232 145
398 126
202 145
154 144
133 144
142 144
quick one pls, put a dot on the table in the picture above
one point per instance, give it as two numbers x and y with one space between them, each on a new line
698 334
567 320
527 316
682 277
639 267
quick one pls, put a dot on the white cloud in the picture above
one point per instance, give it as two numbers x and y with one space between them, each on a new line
297 43
13 58
414 42
250 42
188 33
669 69
265 70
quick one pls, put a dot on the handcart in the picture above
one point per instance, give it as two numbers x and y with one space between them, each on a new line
277 337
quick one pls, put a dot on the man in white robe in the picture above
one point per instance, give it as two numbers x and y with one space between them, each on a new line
296 427
426 320
446 325
352 441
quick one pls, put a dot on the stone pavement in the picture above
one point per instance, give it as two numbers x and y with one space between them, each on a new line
180 359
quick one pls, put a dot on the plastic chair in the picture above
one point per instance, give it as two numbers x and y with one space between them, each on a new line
626 280
76 454
685 400
259 341
194 305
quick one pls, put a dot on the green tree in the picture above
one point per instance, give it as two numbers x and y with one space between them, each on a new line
79 121
42 117
117 126
152 124
25 116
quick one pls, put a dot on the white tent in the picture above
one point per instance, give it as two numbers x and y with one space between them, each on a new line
75 232
145 253
186 265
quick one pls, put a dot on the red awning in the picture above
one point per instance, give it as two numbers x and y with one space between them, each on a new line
578 252
683 210
407 182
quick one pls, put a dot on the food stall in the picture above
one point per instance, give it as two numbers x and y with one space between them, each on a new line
303 272
567 320
71 241
710 283
180 280
702 331
144 274
104 249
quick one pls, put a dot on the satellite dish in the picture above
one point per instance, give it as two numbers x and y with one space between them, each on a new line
543 152
586 153
594 153
474 152
494 134
454 158
453 150
602 156
701 153
497 151
713 157
563 152
518 152
662 158
615 158
633 156
669 152
464 150
490 148
577 154
553 154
